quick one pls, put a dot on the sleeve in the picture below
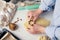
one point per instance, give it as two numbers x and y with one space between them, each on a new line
46 4
57 33
53 32
50 31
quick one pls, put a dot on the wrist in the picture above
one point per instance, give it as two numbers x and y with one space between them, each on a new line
39 11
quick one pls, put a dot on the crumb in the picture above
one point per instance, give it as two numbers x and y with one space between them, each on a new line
21 19
16 21
17 18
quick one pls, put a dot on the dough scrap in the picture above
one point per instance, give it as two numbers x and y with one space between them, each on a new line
26 24
42 21
44 38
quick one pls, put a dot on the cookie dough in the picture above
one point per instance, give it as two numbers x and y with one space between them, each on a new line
44 38
41 21
31 22
26 24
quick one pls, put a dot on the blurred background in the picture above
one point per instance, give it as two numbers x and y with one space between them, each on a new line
16 1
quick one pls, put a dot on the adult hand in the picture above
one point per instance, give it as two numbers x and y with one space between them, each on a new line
33 15
36 29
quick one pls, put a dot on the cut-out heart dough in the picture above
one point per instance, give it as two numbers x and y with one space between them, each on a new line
44 38
41 21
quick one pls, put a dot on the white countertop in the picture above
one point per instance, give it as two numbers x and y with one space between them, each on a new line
21 32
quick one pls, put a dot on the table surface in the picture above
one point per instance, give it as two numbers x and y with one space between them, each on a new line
21 32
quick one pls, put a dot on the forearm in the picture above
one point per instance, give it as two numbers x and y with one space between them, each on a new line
46 5
39 11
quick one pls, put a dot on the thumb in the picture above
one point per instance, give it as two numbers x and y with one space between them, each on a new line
34 19
29 17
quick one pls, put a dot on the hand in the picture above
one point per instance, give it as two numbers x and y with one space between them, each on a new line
33 15
36 29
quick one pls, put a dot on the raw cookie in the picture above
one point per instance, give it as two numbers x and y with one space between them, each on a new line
26 24
41 21
44 38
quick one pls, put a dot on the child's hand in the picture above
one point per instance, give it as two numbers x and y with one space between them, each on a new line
36 29
33 15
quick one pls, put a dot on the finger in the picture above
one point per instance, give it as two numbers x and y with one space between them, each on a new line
29 16
37 25
36 28
29 27
34 19
32 31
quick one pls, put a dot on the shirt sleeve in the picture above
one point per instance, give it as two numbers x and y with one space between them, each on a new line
53 32
57 33
46 4
50 31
